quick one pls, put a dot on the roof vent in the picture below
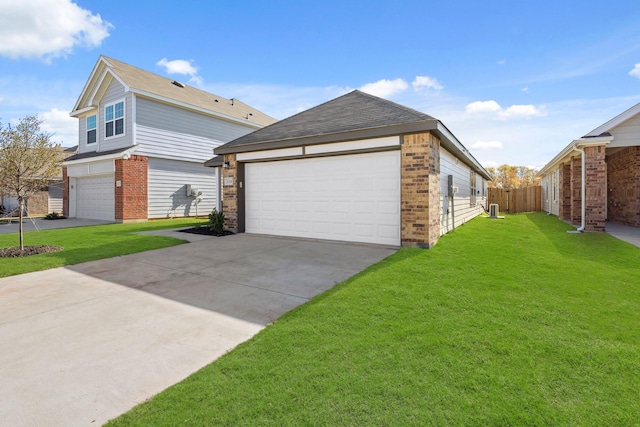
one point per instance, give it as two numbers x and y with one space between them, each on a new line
177 83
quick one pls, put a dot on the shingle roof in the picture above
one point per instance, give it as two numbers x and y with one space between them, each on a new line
354 111
145 82
91 154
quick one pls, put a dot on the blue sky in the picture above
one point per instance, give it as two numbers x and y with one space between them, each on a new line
515 81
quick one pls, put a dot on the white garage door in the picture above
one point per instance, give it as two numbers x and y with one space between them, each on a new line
95 197
352 198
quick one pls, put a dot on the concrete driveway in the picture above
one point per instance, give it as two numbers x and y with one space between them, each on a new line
85 343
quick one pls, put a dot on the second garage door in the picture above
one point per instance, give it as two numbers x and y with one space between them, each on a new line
95 198
351 198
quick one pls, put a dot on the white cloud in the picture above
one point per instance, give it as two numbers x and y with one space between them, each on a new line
48 29
426 82
182 66
513 112
635 72
385 88
521 112
502 61
525 89
486 145
63 127
481 107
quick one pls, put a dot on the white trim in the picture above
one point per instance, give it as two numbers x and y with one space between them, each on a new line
121 155
362 144
134 126
80 112
269 154
194 108
564 154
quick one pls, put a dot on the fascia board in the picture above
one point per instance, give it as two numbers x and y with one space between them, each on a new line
565 153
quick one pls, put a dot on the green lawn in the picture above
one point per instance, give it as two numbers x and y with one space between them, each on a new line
504 322
87 244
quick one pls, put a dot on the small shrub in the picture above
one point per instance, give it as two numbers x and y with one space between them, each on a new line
54 215
216 221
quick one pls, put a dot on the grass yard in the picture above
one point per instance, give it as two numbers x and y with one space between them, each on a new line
89 243
504 322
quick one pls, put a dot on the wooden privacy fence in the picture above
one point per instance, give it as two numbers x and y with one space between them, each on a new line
516 200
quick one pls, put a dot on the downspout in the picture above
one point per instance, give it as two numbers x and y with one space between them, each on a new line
583 189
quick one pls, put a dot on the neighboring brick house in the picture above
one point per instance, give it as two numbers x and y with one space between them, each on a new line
357 168
142 141
596 178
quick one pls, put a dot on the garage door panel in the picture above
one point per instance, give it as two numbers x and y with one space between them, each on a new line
95 197
351 197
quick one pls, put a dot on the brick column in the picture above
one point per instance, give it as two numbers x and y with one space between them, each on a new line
131 192
65 192
230 192
420 190
596 190
576 190
564 189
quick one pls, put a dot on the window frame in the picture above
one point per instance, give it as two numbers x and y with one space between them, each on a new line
111 124
473 200
93 129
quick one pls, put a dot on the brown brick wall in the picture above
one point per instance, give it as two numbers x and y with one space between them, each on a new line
131 197
596 189
65 192
420 190
576 190
230 193
565 192
624 186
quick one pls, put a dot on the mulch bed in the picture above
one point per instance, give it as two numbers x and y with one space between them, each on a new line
15 252
205 231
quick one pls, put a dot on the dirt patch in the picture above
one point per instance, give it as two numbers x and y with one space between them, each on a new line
15 252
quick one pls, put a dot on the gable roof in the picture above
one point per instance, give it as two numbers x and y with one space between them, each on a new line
154 86
356 115
354 111
617 120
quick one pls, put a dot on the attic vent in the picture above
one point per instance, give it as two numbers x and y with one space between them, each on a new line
177 83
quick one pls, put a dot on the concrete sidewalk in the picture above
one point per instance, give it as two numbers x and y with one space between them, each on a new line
85 343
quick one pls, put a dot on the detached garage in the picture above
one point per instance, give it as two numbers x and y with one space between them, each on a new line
357 168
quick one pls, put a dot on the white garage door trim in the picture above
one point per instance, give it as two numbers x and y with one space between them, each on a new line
353 198
95 197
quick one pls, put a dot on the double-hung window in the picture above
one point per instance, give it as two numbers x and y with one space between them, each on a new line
114 119
91 129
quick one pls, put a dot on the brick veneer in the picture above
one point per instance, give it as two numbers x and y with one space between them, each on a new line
38 203
230 193
419 199
624 186
131 197
596 189
420 190
576 190
565 192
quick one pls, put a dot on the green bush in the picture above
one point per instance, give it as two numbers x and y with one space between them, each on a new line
216 221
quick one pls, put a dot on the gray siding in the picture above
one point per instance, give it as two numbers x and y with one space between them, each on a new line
459 210
116 93
551 192
55 197
167 188
627 133
169 132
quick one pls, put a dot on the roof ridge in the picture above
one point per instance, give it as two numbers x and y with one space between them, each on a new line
395 104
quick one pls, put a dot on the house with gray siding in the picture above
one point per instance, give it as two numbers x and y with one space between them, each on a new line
143 139
357 168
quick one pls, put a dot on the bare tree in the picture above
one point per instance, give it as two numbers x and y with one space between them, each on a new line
27 160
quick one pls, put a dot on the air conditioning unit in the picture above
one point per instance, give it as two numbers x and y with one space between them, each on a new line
192 191
493 210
